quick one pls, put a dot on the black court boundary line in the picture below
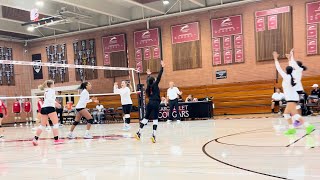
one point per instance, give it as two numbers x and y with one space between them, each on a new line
234 166
299 139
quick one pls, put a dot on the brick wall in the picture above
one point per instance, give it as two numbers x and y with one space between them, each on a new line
249 71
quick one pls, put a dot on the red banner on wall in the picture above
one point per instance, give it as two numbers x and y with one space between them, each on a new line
185 33
114 43
272 22
260 24
216 46
227 56
269 12
238 41
226 26
312 31
312 46
138 54
146 38
313 12
107 61
147 53
156 53
216 58
227 42
239 55
139 66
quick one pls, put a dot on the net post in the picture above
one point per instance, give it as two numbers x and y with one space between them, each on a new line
141 98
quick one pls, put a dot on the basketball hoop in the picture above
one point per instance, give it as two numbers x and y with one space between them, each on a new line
34 15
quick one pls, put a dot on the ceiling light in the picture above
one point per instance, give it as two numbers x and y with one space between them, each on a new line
30 28
165 2
39 3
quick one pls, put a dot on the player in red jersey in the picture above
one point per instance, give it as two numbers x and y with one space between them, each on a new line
2 115
27 110
16 109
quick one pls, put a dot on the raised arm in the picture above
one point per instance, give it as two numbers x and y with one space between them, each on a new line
160 73
292 61
278 67
116 89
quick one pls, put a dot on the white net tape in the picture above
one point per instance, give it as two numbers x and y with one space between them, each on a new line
27 63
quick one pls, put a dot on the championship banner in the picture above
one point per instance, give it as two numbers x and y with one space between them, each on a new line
312 46
312 31
238 41
147 53
227 55
226 42
272 22
107 61
217 58
216 44
313 15
138 55
156 53
239 55
226 26
185 33
260 24
114 43
37 70
147 38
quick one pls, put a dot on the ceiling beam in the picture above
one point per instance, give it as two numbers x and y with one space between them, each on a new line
145 6
7 25
99 7
49 9
201 3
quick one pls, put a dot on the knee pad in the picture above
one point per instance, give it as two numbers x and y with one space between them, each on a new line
155 122
287 116
126 116
0 126
296 117
41 127
55 126
90 121
144 121
298 107
75 123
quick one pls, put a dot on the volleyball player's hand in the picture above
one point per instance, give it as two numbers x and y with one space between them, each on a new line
275 55
288 56
162 63
116 85
148 72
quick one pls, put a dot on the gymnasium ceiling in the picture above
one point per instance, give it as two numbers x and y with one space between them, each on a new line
72 16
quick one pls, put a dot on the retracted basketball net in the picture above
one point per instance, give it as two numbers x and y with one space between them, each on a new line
137 89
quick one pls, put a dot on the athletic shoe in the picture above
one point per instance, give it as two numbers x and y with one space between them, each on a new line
87 136
15 124
169 121
290 132
309 129
34 129
61 125
126 128
48 128
137 136
30 123
297 124
153 139
59 141
71 136
1 136
35 142
21 124
178 121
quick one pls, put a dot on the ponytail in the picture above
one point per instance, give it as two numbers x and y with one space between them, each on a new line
292 81
83 85
301 65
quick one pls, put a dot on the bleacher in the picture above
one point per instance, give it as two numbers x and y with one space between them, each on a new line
229 99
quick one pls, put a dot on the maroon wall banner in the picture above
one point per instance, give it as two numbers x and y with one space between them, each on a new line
216 44
260 24
226 26
156 53
312 46
312 31
313 15
226 42
269 12
147 53
114 43
107 61
238 41
217 58
146 38
227 57
239 55
139 66
272 22
138 54
185 33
